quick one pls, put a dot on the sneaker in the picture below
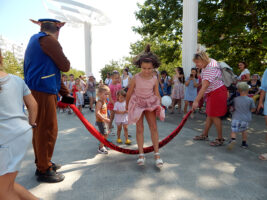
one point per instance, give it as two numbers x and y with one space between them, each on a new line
231 145
55 166
50 176
129 135
102 150
244 146
119 141
128 142
92 110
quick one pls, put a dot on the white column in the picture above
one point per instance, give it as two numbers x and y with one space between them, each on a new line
88 47
189 47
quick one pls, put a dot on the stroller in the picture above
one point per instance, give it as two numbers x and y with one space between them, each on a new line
230 101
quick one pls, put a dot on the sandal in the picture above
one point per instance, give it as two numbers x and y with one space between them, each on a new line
217 142
263 156
201 137
141 159
159 162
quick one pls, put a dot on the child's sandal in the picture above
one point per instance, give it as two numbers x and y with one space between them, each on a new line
159 162
141 159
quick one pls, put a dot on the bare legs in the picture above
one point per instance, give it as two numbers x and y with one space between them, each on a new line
218 124
152 123
11 190
174 102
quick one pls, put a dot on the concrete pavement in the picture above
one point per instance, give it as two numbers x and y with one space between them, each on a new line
192 170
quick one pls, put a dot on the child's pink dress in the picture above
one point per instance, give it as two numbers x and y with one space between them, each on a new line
113 91
144 99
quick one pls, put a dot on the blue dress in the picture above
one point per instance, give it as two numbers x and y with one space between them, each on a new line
190 90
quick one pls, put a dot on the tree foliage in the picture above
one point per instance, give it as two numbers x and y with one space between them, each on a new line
75 72
232 31
12 65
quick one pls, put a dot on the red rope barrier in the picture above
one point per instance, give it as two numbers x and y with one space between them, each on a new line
100 137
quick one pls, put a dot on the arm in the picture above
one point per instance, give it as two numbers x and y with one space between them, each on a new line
195 83
262 95
187 82
63 90
98 114
32 108
52 48
156 90
130 92
86 87
205 85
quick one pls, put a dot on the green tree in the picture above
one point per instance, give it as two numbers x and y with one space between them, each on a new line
232 31
75 72
12 65
109 68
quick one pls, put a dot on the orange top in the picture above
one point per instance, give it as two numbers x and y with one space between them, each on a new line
103 111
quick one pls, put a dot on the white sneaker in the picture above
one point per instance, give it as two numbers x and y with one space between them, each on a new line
102 150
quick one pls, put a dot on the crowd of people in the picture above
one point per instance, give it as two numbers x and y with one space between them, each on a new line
126 99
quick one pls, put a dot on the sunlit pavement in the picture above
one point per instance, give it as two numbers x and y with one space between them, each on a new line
192 170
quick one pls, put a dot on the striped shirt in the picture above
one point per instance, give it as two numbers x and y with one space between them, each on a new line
212 73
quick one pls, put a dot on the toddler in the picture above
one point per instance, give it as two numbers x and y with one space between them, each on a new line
243 106
121 117
102 116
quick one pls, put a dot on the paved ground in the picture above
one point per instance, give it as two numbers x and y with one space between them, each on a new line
192 170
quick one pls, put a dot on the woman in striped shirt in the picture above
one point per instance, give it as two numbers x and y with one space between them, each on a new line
216 93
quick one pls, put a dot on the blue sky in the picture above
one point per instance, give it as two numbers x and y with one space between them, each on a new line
109 42
15 15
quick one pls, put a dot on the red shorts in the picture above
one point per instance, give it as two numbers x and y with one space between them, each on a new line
217 102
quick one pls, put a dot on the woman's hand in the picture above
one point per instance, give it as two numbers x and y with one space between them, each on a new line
195 105
260 106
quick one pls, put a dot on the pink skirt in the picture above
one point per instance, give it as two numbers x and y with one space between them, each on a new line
217 102
137 105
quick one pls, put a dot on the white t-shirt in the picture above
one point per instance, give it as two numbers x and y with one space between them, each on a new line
13 121
120 118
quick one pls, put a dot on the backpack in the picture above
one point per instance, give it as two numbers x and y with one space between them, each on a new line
228 76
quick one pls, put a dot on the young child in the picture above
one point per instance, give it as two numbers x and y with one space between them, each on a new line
75 89
15 132
243 106
143 100
121 117
191 84
79 97
178 89
114 87
102 116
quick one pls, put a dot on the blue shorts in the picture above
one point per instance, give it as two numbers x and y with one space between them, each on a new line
239 126
91 94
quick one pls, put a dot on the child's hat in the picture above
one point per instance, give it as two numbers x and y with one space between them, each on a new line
243 86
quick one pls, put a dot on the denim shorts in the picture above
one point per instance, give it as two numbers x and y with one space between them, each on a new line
102 127
91 94
239 126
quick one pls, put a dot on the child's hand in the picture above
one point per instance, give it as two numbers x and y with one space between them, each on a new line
106 120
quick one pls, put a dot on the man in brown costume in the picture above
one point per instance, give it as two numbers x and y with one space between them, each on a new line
43 62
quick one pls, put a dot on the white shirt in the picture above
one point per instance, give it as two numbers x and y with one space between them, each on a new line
13 121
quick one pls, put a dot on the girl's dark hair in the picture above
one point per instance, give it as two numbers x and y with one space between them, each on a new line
181 72
148 57
115 72
195 69
127 71
164 72
122 93
244 63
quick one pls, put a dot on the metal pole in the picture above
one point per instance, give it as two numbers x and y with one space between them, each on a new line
189 46
88 47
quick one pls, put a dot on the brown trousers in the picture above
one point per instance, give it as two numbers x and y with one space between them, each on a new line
45 134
